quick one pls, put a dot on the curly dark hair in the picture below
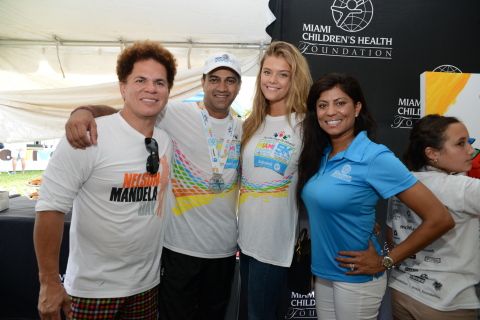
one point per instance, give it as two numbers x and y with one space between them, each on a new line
427 132
145 50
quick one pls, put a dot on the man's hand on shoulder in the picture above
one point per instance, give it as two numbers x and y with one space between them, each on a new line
82 121
76 129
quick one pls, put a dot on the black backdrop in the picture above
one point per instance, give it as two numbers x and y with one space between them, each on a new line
400 40
386 45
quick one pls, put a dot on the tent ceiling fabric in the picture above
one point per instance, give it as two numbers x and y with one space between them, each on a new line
206 21
69 74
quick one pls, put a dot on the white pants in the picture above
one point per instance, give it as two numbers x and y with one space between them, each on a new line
337 300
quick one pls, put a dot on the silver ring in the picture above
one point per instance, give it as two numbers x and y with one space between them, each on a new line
352 266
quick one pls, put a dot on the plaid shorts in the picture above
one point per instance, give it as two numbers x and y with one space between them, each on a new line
139 306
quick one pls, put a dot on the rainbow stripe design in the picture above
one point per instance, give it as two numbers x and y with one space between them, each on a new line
190 185
265 190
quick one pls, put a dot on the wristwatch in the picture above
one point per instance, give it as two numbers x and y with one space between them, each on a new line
387 262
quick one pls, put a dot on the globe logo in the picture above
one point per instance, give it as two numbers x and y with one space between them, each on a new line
346 169
352 15
447 68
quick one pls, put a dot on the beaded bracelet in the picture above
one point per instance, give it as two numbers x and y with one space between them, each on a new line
85 108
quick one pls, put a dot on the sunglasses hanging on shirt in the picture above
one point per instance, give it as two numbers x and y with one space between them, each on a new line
152 160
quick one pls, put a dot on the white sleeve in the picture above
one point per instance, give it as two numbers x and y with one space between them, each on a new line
472 195
390 211
65 174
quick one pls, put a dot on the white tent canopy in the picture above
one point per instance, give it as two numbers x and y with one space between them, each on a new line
58 54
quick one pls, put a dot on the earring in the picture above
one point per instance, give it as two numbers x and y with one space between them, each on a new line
356 115
435 161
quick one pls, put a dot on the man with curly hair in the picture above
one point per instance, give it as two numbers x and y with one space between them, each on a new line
116 232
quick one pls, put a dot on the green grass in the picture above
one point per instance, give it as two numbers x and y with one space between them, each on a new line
17 183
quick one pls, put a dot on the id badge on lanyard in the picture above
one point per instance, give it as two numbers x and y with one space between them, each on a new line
218 160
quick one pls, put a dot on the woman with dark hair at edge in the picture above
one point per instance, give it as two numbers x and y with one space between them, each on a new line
438 281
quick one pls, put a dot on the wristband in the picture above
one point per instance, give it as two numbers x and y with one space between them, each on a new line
85 108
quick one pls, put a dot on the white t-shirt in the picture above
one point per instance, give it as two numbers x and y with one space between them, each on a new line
200 223
116 231
268 214
443 274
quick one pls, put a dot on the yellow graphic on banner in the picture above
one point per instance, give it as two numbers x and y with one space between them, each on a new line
438 98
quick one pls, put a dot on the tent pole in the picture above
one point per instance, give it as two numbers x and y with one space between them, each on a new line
73 43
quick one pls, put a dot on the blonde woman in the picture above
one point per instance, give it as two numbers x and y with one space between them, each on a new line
271 144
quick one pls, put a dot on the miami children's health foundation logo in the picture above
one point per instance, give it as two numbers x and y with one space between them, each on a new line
408 110
447 68
351 16
301 306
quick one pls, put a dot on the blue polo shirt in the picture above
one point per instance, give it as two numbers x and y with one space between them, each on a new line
341 201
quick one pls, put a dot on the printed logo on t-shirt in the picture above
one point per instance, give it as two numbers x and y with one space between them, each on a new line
343 173
145 188
433 259
408 269
190 184
437 285
419 279
233 153
396 215
346 169
274 152
282 135
266 190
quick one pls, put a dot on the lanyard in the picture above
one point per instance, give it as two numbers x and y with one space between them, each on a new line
218 159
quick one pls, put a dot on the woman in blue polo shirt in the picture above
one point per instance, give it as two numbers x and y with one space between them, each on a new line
342 175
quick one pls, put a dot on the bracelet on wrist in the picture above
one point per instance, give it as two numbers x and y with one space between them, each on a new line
84 108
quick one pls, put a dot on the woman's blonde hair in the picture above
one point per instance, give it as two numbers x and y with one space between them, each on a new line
296 98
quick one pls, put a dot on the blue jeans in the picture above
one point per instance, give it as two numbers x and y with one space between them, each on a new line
262 283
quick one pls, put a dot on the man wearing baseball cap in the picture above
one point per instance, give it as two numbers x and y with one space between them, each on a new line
198 260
